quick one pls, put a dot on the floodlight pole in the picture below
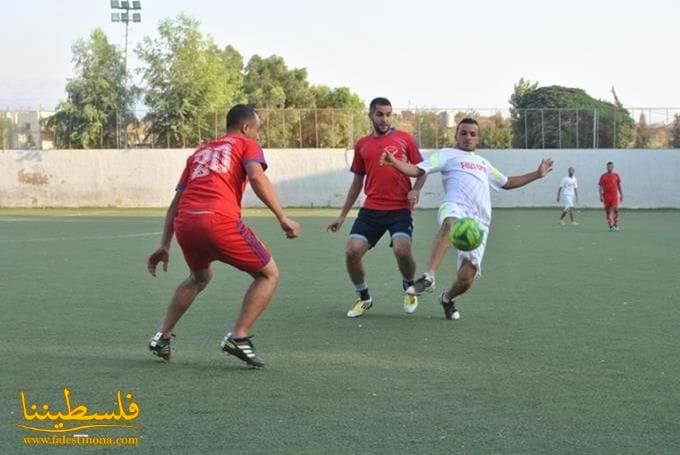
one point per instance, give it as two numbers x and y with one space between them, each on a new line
126 17
127 28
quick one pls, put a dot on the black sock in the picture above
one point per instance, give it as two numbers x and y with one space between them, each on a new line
364 295
406 284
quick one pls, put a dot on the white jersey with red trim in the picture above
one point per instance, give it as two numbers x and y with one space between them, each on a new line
466 178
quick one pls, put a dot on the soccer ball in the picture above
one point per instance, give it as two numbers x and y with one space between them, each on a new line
466 234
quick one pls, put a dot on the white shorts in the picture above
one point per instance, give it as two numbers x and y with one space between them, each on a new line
568 201
451 210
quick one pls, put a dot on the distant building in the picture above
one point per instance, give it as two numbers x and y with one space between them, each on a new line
23 130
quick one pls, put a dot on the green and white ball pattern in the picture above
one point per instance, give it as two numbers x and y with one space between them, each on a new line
466 234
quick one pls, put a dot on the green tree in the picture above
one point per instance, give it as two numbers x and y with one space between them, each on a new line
338 98
643 134
340 118
674 140
496 132
565 117
189 82
268 83
98 102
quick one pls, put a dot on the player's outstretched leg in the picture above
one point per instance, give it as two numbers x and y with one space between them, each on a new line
184 296
259 294
355 250
464 279
441 244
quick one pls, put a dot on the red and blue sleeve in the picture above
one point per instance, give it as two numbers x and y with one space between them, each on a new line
358 164
253 154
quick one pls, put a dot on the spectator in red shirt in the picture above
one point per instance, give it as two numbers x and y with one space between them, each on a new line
206 216
389 201
611 195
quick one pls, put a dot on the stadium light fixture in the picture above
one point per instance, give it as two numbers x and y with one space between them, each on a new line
125 6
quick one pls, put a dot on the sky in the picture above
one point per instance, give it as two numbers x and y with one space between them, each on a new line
446 54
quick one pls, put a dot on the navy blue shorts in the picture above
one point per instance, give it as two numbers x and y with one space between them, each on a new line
370 225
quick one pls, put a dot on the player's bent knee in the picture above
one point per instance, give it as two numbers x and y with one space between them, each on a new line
354 252
201 278
269 271
402 250
465 282
466 275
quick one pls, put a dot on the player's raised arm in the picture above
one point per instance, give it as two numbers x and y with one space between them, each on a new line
162 254
352 195
388 159
520 180
264 190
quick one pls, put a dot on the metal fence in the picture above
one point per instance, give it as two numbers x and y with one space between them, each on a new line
340 128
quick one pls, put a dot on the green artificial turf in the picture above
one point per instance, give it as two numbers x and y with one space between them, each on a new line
567 344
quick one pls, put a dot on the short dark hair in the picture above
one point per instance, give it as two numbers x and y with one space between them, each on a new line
609 162
468 121
378 102
240 114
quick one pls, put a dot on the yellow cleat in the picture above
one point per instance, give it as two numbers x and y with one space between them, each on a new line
410 303
359 307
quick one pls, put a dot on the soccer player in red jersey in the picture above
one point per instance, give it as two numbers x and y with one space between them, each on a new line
206 216
389 201
611 195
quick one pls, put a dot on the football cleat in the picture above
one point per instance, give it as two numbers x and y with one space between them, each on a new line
410 303
160 346
425 283
359 307
450 311
243 349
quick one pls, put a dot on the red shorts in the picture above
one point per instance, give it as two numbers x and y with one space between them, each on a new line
611 201
208 238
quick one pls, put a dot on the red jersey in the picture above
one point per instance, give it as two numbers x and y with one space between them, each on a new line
385 187
610 184
214 178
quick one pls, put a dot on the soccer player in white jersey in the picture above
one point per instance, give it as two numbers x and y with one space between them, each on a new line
569 194
466 178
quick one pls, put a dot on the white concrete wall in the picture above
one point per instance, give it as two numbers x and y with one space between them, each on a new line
312 178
